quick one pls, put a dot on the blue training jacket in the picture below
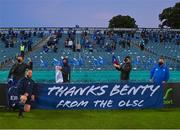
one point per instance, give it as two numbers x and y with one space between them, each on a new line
159 73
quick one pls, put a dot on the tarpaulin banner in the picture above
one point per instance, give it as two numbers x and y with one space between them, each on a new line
3 95
100 96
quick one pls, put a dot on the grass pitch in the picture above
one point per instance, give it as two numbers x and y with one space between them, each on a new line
92 119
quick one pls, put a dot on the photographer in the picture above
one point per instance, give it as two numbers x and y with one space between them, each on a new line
125 68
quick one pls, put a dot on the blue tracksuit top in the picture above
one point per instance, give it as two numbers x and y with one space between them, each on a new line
159 73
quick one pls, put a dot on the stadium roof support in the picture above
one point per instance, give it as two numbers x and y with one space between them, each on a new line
85 28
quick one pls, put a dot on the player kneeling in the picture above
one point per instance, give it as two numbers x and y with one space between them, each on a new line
27 91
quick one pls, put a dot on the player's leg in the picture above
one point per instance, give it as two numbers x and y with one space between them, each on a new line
27 107
21 105
21 109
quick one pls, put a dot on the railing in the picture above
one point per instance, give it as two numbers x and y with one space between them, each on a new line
85 28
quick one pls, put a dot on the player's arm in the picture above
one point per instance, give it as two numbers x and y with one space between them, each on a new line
127 68
152 73
117 66
166 76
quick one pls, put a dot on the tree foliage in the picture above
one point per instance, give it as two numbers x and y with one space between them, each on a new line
170 17
122 22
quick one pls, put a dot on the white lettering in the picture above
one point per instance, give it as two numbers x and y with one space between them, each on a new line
103 103
72 104
130 103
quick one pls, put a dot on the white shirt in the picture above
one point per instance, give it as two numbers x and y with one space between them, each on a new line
70 43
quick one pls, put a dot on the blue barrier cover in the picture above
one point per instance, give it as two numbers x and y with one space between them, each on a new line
100 96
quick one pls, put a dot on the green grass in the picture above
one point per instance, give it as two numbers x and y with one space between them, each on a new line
91 119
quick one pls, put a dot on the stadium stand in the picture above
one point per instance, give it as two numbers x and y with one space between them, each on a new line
91 49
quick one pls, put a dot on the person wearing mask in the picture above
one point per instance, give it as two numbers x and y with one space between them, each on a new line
27 92
22 49
159 74
17 71
125 68
70 43
66 71
142 44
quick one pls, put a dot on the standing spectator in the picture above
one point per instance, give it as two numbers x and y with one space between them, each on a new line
17 71
90 47
142 44
78 47
160 72
66 71
125 68
22 49
70 43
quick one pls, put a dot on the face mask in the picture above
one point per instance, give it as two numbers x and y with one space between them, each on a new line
160 63
19 61
126 60
28 76
65 64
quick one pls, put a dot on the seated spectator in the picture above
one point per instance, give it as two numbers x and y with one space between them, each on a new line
70 43
178 40
66 43
113 45
74 47
108 47
30 45
141 44
86 43
123 43
90 47
6 44
11 44
55 48
45 49
49 44
78 47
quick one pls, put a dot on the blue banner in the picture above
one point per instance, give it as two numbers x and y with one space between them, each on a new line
100 96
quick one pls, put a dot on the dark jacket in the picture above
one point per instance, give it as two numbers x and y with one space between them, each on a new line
17 71
66 72
27 85
125 69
